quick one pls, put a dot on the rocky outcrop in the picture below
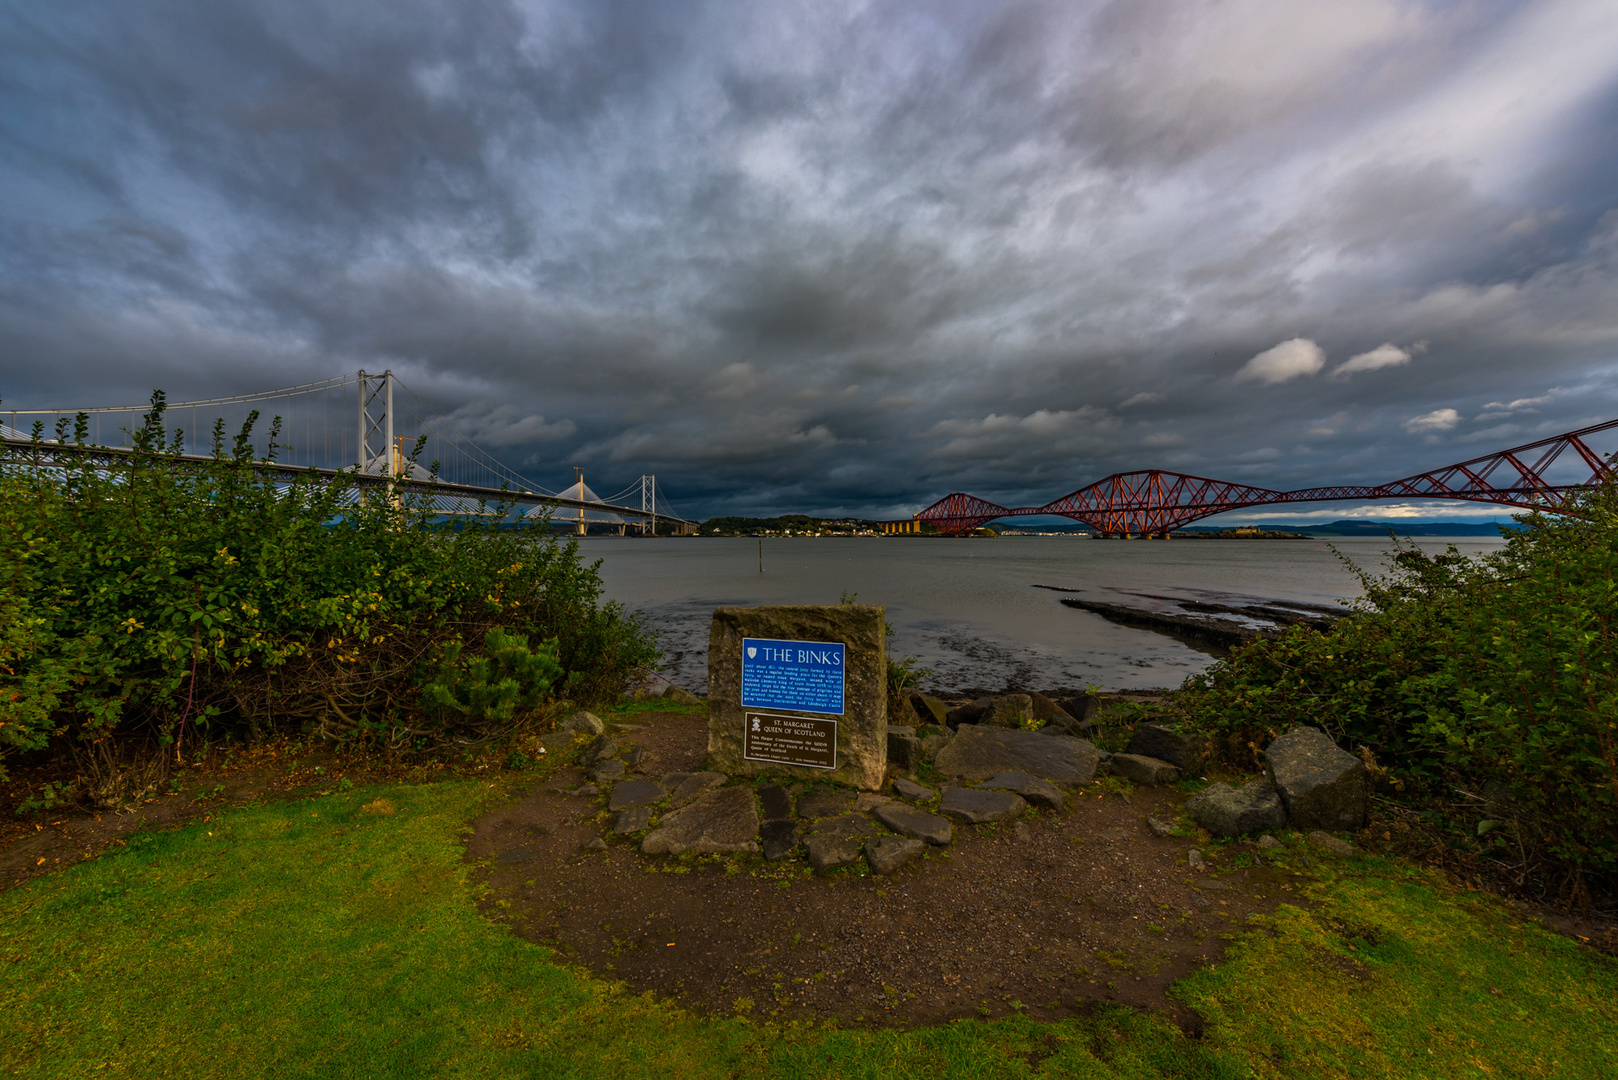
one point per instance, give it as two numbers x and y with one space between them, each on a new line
723 821
1230 811
979 752
1321 785
1145 771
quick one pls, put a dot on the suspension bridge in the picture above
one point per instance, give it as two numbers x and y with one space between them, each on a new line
1539 475
360 426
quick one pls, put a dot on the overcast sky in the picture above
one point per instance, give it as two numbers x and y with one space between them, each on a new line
833 257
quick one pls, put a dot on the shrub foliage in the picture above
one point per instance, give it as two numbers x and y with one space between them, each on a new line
1487 687
164 598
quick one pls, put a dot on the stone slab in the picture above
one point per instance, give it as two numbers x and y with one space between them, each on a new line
906 820
1145 771
909 789
828 851
722 821
1037 791
775 802
978 752
862 729
695 784
976 807
628 793
632 820
887 853
819 804
778 838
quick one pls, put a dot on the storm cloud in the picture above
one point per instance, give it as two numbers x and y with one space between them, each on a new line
833 257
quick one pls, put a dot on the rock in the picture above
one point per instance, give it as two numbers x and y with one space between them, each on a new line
933 731
1268 843
828 851
870 800
819 804
933 739
1048 711
695 784
606 771
1329 845
1082 707
1009 711
1321 786
560 742
776 802
904 749
515 855
633 756
862 729
906 820
542 829
719 822
1196 860
681 696
967 714
582 723
596 844
976 807
979 752
1037 791
1185 751
672 780
1145 771
909 789
628 793
633 820
928 709
584 789
1159 828
602 748
855 825
887 853
1020 832
1228 811
778 838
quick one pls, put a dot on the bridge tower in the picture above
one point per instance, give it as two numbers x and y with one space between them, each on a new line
376 446
648 503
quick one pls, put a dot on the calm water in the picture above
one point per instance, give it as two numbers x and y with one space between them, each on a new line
969 609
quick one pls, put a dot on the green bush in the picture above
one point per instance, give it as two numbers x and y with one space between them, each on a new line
1487 687
159 597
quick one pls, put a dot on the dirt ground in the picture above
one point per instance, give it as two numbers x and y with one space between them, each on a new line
1050 915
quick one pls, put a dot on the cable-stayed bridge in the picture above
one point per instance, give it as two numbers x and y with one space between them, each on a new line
1535 476
364 426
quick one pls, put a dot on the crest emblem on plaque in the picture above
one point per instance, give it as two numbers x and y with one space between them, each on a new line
752 652
755 723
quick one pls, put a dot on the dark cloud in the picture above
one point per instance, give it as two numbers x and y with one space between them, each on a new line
841 257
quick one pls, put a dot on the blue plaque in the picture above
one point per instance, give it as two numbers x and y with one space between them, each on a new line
802 675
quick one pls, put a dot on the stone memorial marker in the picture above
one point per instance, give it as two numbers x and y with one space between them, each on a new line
799 691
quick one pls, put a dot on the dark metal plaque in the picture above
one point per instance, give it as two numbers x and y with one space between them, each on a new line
790 740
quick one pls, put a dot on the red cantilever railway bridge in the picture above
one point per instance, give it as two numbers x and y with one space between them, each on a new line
1155 502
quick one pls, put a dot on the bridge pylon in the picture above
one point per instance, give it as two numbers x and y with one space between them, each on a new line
376 446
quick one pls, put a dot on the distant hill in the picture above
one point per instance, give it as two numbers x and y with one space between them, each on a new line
1348 527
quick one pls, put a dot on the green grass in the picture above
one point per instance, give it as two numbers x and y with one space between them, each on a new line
338 936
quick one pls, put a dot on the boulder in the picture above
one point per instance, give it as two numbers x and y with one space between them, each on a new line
928 709
777 839
1186 751
1009 711
1268 843
1037 791
1321 786
1230 811
606 772
679 695
1081 707
722 821
1327 844
862 728
887 853
820 804
776 802
906 820
904 749
976 807
969 713
908 789
979 752
582 723
630 793
1145 771
1048 711
695 784
601 748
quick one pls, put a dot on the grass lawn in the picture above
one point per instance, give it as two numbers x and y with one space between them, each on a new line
337 936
